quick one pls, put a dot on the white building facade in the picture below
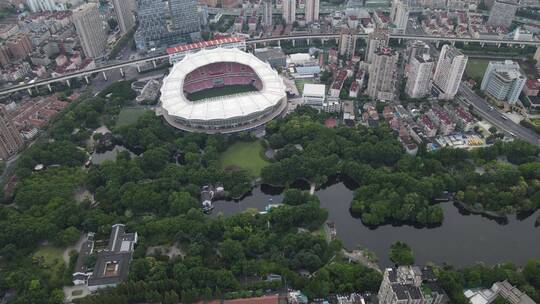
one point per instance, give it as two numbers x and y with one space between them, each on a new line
419 81
91 30
289 11
449 71
312 10
503 81
399 14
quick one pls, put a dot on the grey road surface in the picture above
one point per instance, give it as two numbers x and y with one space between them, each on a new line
496 117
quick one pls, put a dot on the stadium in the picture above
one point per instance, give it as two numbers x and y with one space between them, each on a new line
221 91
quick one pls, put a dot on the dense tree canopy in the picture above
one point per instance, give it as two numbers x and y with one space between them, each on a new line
401 254
483 276
156 192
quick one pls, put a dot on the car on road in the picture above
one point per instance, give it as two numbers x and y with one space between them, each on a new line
504 117
490 108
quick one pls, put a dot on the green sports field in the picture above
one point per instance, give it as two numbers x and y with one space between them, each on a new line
223 91
129 116
300 84
246 155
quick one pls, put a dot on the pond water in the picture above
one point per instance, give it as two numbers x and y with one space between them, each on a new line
461 240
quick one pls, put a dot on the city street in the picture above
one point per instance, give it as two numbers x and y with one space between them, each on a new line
496 117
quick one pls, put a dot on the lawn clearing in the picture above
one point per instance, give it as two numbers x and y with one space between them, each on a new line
300 84
129 116
246 155
49 256
476 68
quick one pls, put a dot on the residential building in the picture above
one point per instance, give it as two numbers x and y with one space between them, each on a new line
464 120
11 141
210 3
502 289
124 15
502 13
419 81
4 55
522 34
7 30
503 81
337 84
370 116
19 46
377 39
441 118
332 105
347 42
90 30
152 24
50 5
399 15
289 11
382 73
230 3
332 56
349 111
314 95
408 285
238 24
354 89
537 56
185 20
429 127
449 71
532 87
510 293
416 48
252 23
312 10
112 263
202 11
267 13
463 4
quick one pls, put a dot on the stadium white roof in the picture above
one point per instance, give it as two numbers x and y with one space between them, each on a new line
175 102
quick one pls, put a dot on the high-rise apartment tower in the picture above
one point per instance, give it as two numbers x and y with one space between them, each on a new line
90 29
450 68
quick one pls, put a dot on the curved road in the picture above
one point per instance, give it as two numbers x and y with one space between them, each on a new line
496 117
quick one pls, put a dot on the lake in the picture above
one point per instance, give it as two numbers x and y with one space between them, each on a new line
461 240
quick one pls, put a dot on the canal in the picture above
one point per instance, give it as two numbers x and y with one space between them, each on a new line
461 240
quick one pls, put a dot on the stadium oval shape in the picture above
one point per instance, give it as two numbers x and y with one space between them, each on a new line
218 68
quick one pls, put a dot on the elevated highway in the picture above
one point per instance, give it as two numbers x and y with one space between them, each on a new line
401 36
254 41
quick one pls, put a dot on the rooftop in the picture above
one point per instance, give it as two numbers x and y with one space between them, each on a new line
203 44
314 89
175 103
112 264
